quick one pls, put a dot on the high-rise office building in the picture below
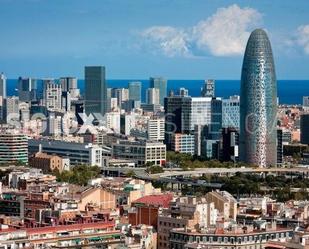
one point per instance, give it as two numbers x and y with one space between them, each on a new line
69 84
135 90
41 89
304 129
153 96
201 133
177 116
2 86
12 109
122 95
258 103
66 101
279 147
216 119
229 143
129 105
109 99
27 89
306 103
230 112
208 89
53 100
200 111
54 125
161 84
95 90
2 94
184 112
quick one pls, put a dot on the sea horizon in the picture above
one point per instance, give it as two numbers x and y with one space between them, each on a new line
289 91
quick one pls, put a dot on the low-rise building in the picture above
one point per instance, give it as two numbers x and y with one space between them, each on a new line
100 233
97 198
78 153
49 163
224 202
242 238
184 212
183 143
145 210
141 236
142 152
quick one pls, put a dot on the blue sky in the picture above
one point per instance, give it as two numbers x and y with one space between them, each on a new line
136 39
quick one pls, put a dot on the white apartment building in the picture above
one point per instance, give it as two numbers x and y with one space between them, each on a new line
155 129
111 121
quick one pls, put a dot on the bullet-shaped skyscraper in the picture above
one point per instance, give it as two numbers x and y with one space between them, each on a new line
258 103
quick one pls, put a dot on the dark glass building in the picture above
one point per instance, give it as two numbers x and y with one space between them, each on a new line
27 89
304 129
177 117
95 90
279 147
216 119
258 103
229 144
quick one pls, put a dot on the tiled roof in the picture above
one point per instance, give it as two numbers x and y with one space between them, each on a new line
155 200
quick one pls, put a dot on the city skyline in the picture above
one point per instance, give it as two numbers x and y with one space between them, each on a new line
153 35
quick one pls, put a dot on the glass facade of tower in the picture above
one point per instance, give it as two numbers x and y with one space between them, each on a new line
135 90
95 90
161 84
258 103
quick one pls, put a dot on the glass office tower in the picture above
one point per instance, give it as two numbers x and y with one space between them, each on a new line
95 90
258 103
161 84
135 90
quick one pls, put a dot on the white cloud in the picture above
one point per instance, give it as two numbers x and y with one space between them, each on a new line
227 31
170 40
223 34
303 37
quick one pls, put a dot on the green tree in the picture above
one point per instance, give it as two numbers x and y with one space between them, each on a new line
131 173
80 174
154 169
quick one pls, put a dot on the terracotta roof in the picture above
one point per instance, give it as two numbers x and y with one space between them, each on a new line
155 200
